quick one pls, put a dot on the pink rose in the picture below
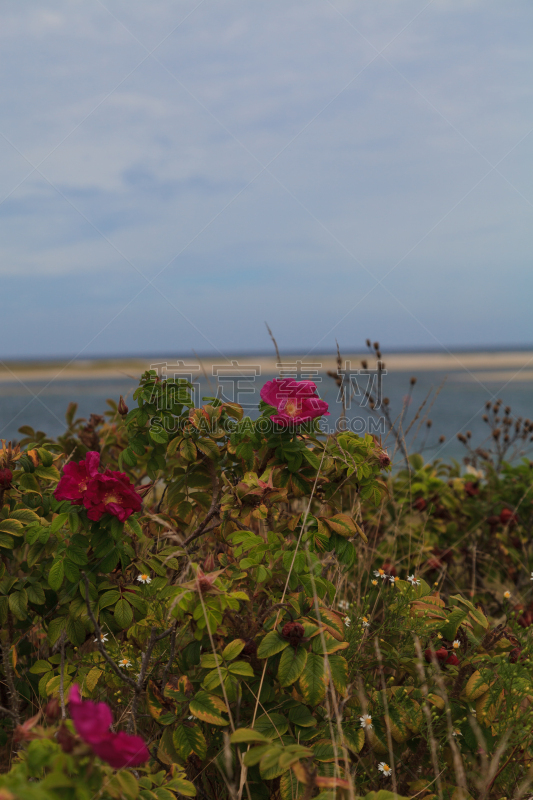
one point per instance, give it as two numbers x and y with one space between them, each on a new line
100 492
113 493
122 750
295 401
73 484
92 722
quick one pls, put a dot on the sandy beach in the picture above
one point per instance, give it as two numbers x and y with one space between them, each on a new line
491 366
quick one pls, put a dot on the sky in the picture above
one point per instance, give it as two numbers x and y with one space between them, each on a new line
175 173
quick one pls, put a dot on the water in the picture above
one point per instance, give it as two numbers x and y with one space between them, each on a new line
458 406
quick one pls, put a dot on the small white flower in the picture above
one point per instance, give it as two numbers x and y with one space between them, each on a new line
393 579
413 581
507 595
375 583
385 769
456 732
365 623
380 573
103 637
344 605
347 621
456 644
531 579
366 721
125 662
144 578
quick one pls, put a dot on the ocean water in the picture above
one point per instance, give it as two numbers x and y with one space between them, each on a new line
453 402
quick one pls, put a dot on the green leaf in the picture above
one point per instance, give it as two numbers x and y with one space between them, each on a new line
188 738
75 631
272 725
272 643
300 715
7 541
25 515
56 574
313 680
203 707
12 526
188 450
58 522
40 667
233 649
18 604
339 673
109 598
48 473
291 665
241 668
36 594
123 614
245 735
55 629
28 482
72 572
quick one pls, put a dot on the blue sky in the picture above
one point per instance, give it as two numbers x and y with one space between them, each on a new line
174 173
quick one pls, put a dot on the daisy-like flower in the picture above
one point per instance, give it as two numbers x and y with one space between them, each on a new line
103 637
439 635
393 579
365 623
144 578
375 583
380 573
344 605
507 595
456 644
124 662
366 721
347 621
385 769
456 732
413 581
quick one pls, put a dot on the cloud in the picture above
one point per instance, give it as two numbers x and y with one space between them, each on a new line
232 149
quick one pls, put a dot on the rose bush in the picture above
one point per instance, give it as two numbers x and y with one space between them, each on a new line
265 612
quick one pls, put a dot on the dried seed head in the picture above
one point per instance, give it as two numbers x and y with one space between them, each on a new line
368 343
412 381
469 434
429 423
376 345
442 438
461 437
386 401
364 363
496 433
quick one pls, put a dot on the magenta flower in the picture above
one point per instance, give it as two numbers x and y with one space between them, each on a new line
295 401
113 493
73 484
100 492
92 722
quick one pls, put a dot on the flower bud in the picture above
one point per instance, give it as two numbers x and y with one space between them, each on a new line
65 739
209 563
122 407
52 710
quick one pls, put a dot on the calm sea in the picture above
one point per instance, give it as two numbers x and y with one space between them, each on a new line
452 403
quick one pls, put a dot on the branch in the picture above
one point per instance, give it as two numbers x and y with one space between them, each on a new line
116 669
213 510
171 657
14 713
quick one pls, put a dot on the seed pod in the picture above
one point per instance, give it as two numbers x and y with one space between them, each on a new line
442 439
412 381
